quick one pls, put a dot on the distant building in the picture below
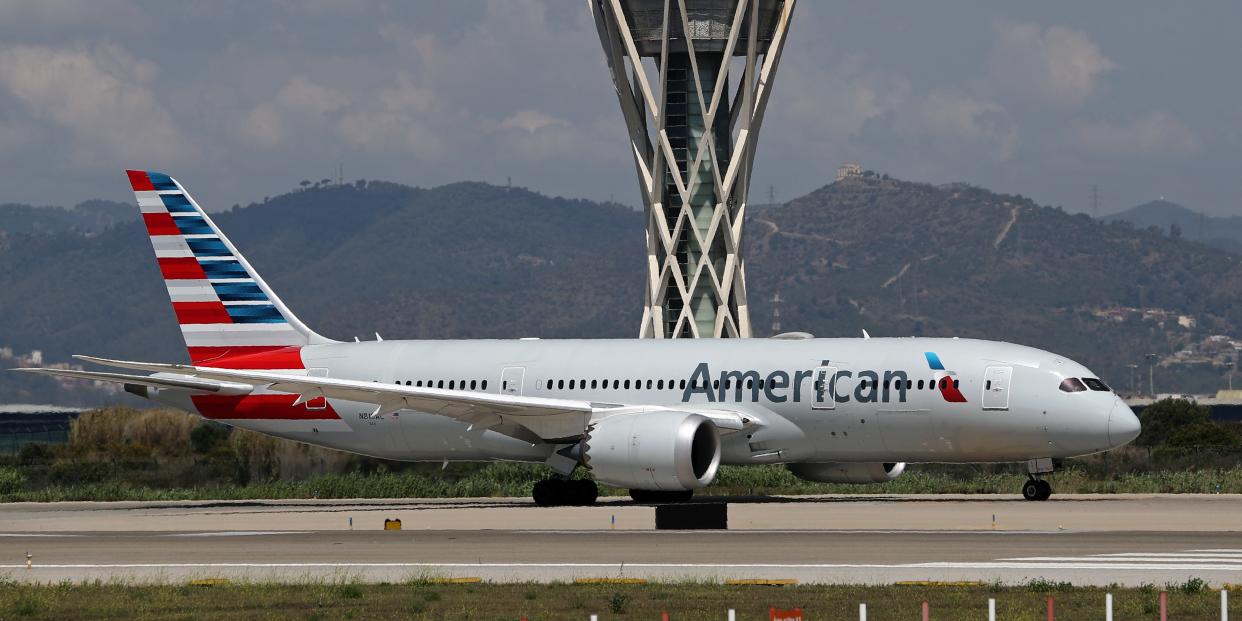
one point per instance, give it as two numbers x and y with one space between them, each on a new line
1186 321
849 170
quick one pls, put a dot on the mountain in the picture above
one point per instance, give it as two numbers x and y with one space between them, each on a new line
91 216
472 260
1223 233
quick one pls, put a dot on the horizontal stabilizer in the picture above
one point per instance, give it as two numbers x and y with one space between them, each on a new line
182 383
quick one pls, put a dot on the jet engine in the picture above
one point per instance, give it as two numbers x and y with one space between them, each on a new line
655 450
846 472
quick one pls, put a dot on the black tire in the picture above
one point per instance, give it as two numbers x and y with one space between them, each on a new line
1031 490
585 492
1045 490
548 493
657 497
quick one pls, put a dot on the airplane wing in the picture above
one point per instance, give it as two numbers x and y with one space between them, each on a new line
523 417
153 381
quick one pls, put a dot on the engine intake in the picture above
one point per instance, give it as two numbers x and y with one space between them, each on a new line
655 450
847 472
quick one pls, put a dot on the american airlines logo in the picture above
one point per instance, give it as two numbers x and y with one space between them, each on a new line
868 386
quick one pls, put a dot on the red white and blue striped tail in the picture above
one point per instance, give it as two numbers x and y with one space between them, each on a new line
229 317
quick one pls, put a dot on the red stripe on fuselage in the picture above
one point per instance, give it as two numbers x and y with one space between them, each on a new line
139 180
950 392
160 224
201 312
259 407
181 268
248 357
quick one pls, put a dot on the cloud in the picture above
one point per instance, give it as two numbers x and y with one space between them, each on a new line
957 121
1057 65
299 101
531 121
404 116
1156 134
101 96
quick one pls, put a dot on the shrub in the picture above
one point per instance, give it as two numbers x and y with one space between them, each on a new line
11 481
32 453
618 603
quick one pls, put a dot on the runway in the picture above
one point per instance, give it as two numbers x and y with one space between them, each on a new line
1086 540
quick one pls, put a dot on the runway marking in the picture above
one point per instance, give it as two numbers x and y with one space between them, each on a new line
237 533
622 566
37 535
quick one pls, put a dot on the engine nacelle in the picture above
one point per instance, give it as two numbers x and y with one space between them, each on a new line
658 450
846 472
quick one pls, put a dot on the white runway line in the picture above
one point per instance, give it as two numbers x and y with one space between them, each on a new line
237 533
36 535
787 566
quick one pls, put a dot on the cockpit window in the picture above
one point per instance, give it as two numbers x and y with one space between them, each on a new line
1095 384
1072 384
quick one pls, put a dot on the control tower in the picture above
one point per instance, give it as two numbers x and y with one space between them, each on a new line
693 132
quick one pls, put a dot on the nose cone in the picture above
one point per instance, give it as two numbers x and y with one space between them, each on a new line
1123 425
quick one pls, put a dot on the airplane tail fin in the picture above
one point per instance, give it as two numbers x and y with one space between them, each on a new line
228 315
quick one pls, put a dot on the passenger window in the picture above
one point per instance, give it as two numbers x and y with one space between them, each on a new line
473 384
484 384
648 384
560 384
571 384
441 384
909 384
627 384
616 384
594 383
957 383
920 384
988 385
1095 384
660 385
1072 384
683 384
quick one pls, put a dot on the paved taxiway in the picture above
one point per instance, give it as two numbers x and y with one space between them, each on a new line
1085 539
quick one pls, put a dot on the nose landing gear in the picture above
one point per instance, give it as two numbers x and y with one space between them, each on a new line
1036 488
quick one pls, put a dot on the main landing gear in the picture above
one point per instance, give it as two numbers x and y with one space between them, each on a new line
562 492
1035 487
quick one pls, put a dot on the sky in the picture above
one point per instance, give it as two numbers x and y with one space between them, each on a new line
244 99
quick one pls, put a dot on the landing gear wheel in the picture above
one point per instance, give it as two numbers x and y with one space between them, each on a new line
585 492
546 493
1045 490
655 497
560 492
1036 489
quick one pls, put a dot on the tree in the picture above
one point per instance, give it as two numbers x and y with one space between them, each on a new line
304 183
1175 231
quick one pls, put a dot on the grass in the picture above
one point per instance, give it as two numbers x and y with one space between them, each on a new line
516 480
419 599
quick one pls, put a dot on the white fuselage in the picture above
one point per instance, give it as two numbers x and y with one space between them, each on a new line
812 400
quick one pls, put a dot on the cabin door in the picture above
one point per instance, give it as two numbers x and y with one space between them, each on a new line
511 379
996 388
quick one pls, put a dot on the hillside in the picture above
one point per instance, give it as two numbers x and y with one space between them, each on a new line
87 217
473 260
1223 233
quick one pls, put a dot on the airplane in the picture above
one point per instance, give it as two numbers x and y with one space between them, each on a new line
655 416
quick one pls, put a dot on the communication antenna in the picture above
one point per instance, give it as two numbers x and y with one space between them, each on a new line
776 313
771 195
1095 201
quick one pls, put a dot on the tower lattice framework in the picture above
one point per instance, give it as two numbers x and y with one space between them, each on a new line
693 150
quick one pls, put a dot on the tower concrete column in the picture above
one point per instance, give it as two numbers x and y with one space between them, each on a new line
693 145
